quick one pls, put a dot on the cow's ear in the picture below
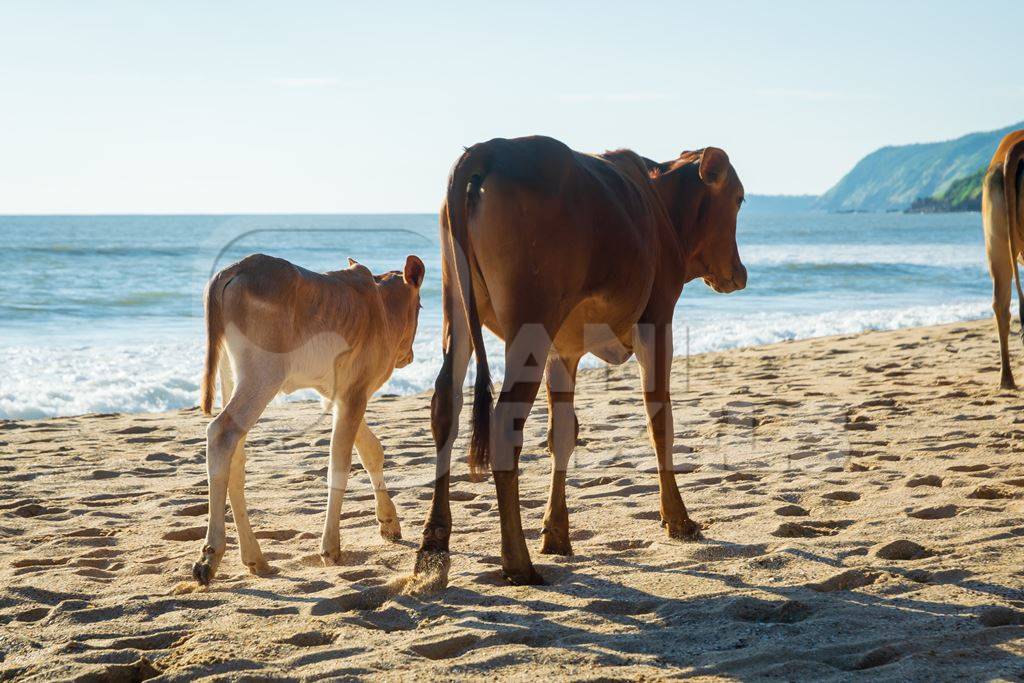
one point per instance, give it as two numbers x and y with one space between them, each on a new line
714 163
352 262
414 271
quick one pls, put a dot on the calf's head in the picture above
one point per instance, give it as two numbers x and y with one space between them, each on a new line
401 290
703 194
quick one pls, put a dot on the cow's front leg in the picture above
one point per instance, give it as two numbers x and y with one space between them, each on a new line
348 414
654 352
563 429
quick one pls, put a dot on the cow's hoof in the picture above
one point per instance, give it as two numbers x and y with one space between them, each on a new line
431 570
1008 384
390 530
202 572
529 577
683 530
552 543
262 568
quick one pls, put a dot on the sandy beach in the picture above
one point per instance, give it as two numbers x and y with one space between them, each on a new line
860 498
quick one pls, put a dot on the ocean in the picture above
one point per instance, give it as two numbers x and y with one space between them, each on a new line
104 313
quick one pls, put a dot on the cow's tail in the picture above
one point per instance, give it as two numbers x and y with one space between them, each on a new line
463 194
1011 166
214 339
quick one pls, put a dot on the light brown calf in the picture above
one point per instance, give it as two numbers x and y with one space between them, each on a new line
286 328
1002 214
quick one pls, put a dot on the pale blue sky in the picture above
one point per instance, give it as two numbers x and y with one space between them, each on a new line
179 107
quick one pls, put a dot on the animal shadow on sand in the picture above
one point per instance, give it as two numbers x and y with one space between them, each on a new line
827 629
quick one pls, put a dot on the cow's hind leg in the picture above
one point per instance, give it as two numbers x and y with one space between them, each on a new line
563 428
372 456
445 408
653 346
224 438
1000 266
1000 306
525 354
348 415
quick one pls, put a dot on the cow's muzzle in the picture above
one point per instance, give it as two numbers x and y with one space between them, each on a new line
736 281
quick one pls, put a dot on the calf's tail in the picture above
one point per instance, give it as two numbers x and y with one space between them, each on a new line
214 338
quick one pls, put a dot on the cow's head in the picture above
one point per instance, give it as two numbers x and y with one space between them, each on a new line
401 291
703 194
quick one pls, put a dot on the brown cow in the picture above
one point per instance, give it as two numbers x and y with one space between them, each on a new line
1002 215
286 328
560 254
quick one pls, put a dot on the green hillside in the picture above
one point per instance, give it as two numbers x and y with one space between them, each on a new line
963 194
892 178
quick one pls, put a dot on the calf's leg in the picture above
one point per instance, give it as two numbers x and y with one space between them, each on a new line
249 547
372 456
563 428
348 414
224 437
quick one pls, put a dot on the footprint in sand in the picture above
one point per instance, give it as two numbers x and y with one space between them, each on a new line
1000 616
278 534
354 601
844 496
135 429
750 609
627 544
845 581
157 640
308 639
791 511
936 512
924 480
968 468
196 510
445 647
810 529
194 533
902 550
992 492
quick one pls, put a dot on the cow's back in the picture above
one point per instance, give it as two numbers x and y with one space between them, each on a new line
577 226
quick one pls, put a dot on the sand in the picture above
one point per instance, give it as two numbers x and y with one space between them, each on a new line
860 498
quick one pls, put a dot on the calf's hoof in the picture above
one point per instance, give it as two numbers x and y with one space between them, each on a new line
262 568
330 558
204 569
525 577
1007 383
202 573
390 529
683 529
555 543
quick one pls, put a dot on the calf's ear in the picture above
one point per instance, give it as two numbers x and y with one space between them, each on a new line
714 163
414 271
352 262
